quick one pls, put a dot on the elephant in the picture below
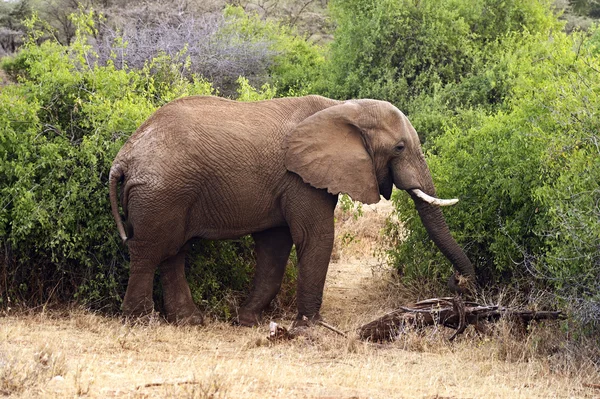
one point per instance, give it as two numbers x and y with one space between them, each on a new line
214 168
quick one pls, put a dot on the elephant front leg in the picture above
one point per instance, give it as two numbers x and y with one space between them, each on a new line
312 229
179 305
313 263
272 249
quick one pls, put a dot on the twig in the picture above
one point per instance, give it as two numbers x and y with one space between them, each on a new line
277 332
332 328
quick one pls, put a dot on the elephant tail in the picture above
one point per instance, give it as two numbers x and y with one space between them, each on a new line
115 176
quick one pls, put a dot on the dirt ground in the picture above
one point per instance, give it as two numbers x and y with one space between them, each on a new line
79 353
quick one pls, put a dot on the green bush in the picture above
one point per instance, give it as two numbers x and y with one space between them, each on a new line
59 135
527 175
219 271
60 128
426 57
248 93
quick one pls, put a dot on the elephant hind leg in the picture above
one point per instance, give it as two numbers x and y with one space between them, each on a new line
138 301
179 305
272 249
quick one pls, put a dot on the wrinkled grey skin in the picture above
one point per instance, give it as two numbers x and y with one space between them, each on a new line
219 169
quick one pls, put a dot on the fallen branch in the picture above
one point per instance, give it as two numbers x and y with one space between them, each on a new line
449 312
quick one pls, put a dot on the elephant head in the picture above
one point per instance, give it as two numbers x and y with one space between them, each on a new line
362 147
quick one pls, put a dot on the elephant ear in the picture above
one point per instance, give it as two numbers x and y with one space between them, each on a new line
328 150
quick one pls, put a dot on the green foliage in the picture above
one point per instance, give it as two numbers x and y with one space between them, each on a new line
527 175
569 125
218 269
297 63
426 57
349 206
248 93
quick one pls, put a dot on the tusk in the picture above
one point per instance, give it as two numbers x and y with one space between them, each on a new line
432 200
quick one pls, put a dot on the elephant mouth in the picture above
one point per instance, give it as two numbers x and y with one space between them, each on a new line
432 200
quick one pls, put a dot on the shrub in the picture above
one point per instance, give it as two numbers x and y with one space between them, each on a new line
248 93
426 57
218 270
62 126
527 175
210 48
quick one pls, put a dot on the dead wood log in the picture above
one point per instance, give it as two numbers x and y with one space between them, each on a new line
449 312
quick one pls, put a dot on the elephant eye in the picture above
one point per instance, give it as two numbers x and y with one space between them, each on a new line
399 147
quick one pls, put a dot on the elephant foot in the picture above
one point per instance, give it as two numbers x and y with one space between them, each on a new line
143 320
191 317
137 310
248 318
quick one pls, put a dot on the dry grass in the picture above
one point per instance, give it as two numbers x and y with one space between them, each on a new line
101 357
78 353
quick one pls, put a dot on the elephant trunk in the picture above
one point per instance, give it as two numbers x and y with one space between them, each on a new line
435 224
438 231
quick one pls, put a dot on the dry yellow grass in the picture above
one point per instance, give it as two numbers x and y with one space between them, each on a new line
78 353
101 357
